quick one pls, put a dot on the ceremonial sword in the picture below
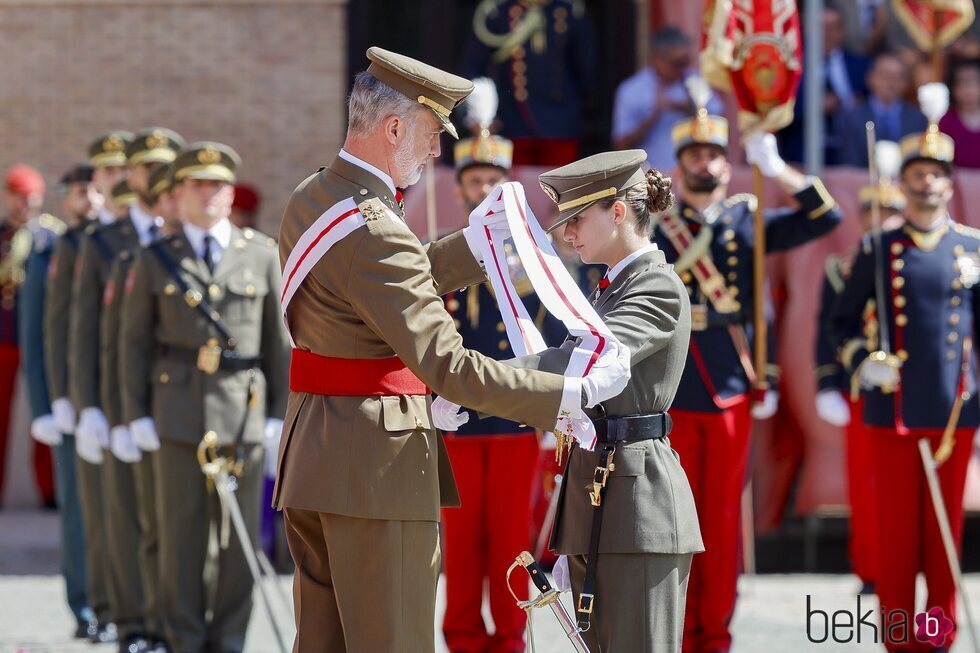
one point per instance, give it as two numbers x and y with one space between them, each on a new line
548 596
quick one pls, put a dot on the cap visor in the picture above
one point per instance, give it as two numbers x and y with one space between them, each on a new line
568 215
447 123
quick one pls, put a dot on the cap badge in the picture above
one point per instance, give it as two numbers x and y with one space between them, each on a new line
113 143
156 139
550 192
209 156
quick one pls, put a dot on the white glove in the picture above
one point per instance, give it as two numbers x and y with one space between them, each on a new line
832 408
64 415
270 443
563 580
45 431
608 377
123 446
969 270
91 435
447 416
144 431
580 429
765 410
760 150
877 374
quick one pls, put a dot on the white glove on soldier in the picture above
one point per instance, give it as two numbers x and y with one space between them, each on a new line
123 446
608 377
765 410
563 580
45 431
64 415
877 374
447 416
91 435
832 408
270 443
144 431
761 151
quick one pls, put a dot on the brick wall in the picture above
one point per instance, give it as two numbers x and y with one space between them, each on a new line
267 78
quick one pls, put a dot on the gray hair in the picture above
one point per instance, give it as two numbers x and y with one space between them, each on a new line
371 101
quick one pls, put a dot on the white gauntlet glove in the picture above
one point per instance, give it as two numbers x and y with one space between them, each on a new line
765 410
123 446
608 377
270 443
563 580
64 415
45 431
91 435
761 151
144 431
880 371
832 408
447 416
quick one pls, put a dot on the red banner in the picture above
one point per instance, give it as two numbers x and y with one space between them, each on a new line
934 24
758 42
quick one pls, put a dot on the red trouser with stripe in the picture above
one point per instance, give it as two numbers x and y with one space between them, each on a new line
484 536
863 545
41 454
714 451
909 539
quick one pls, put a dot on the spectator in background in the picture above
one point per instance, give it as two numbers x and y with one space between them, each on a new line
653 100
962 123
892 115
245 208
865 24
844 86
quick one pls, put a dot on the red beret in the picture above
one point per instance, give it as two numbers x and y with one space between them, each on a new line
25 180
246 198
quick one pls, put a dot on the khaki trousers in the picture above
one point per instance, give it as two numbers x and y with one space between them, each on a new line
363 585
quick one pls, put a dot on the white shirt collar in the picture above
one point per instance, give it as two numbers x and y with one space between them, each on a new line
364 165
106 216
221 233
143 221
619 267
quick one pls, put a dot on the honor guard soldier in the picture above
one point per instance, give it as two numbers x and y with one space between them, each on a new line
917 376
833 388
709 237
108 158
204 354
362 472
496 460
80 205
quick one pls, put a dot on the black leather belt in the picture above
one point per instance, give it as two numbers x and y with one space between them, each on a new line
228 360
633 428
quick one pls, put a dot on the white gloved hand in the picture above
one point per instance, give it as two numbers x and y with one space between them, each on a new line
608 377
90 434
580 429
877 374
144 431
765 410
832 408
563 580
761 151
270 443
123 446
45 431
64 415
969 269
447 416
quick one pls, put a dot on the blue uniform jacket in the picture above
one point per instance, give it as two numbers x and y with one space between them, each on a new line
713 375
929 314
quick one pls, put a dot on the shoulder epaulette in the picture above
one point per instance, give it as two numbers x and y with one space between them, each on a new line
739 198
964 230
51 223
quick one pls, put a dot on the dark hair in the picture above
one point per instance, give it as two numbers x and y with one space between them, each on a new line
958 65
668 38
650 196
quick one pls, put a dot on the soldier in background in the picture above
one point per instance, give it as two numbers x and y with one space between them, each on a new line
491 526
835 403
80 205
710 238
245 210
203 349
23 196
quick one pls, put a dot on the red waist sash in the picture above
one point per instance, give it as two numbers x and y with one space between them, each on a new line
352 377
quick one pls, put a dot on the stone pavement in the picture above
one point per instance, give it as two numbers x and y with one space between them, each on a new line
771 615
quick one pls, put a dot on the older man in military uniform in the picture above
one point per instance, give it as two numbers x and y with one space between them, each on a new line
922 387
203 351
361 470
710 239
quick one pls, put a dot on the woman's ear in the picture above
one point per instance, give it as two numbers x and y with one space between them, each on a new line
619 211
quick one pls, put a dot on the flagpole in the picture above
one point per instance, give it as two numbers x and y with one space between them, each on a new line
760 327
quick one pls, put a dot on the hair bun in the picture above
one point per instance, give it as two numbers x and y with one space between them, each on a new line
659 197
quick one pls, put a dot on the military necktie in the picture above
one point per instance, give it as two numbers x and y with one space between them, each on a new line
209 248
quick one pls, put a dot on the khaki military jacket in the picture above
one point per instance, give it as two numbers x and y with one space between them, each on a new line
98 250
110 390
375 294
649 506
57 308
160 333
